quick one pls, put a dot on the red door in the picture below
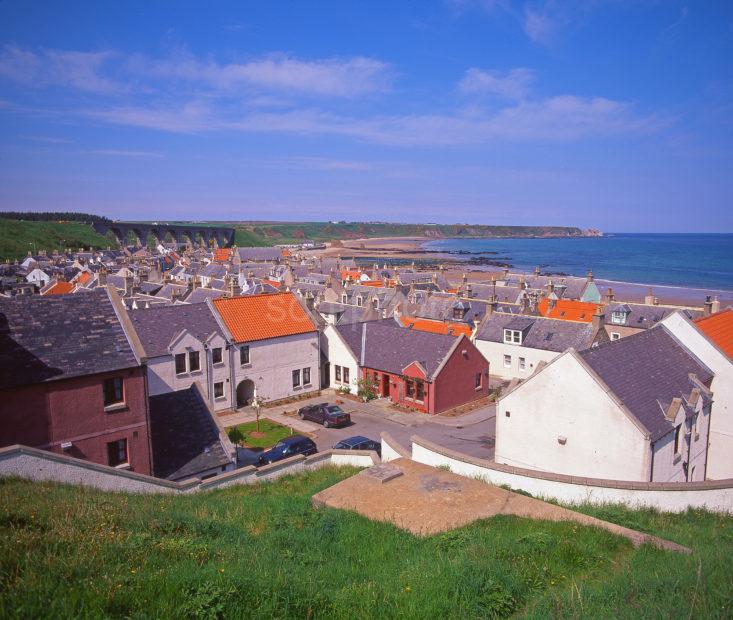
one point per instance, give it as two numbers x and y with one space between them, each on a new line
385 385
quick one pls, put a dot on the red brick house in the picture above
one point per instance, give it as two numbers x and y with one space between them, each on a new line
423 371
71 380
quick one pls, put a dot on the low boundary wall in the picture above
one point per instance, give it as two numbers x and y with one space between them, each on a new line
715 495
42 466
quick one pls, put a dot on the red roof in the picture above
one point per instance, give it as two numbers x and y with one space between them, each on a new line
60 288
258 317
350 273
718 327
568 310
436 327
84 277
222 254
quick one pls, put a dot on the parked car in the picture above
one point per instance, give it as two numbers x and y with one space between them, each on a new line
323 413
290 446
359 443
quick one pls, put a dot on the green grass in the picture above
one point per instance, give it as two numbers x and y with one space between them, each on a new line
262 551
273 432
18 237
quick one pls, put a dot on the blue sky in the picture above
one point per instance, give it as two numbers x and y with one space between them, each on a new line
604 113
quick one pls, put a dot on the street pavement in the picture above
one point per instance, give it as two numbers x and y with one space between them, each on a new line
472 433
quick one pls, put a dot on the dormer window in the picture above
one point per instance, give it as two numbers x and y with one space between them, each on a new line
344 299
512 336
359 301
618 317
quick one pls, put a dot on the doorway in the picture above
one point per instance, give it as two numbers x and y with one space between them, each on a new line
245 393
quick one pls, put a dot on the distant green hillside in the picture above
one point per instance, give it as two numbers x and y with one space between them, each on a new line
272 233
262 551
18 237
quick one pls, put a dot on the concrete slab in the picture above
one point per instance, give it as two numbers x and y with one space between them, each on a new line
425 501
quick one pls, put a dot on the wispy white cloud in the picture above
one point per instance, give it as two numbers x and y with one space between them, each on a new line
514 84
122 153
339 77
47 139
80 70
539 25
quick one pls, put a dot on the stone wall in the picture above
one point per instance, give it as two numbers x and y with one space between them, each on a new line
42 466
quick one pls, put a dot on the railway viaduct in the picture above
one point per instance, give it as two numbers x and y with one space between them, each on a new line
223 235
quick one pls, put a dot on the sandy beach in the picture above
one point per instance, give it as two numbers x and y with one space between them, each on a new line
384 249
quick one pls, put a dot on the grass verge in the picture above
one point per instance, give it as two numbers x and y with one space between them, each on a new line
262 551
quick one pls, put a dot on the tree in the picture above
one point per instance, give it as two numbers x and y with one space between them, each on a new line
366 389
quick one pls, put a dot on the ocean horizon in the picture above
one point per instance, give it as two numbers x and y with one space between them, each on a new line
694 260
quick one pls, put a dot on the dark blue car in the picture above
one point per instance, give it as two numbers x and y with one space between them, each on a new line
290 446
359 443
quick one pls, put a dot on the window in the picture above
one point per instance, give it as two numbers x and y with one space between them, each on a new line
216 356
344 299
244 354
507 361
296 378
508 414
306 376
618 317
677 432
359 301
478 380
219 389
117 452
512 336
615 336
194 361
522 363
112 391
180 363
346 375
338 373
419 390
409 389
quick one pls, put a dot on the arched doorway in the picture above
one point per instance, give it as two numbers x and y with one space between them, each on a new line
245 393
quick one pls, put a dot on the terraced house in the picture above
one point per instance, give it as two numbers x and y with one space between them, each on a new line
71 380
274 350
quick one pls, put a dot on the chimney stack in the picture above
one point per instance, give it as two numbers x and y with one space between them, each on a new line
609 295
537 270
708 306
128 285
649 298
102 276
599 318
506 273
590 275
716 305
522 283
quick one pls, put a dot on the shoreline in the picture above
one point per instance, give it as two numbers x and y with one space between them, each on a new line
456 265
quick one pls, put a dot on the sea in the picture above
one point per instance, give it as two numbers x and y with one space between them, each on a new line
682 260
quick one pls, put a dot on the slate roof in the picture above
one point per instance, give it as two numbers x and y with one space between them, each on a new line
391 348
200 295
538 332
184 437
642 316
158 325
646 371
259 254
60 336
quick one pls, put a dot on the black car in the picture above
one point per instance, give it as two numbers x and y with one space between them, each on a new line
290 446
359 443
323 413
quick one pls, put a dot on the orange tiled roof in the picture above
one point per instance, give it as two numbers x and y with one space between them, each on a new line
222 254
568 310
286 253
84 277
718 327
354 274
60 288
379 283
436 327
274 283
258 317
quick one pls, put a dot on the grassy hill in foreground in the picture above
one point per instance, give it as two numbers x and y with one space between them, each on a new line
262 551
18 237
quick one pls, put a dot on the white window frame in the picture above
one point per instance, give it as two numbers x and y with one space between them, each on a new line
615 336
512 336
507 361
244 347
222 395
522 363
296 378
618 318
302 374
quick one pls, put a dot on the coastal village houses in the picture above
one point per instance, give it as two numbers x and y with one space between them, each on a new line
274 350
184 344
635 409
710 338
415 369
71 380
